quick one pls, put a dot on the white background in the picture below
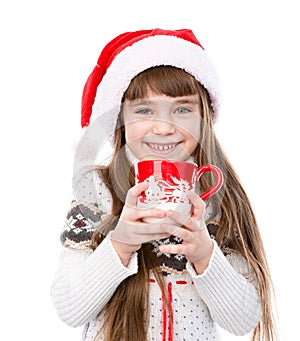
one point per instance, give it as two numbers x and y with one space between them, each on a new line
48 48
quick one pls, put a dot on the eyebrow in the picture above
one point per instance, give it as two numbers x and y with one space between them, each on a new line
138 102
146 102
187 101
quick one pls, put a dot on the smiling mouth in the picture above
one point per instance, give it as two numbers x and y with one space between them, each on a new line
162 147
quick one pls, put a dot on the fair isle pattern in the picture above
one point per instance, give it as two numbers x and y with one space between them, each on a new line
80 225
176 263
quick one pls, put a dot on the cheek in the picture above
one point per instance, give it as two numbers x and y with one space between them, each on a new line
191 130
135 131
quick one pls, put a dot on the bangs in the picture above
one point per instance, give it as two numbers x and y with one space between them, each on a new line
166 80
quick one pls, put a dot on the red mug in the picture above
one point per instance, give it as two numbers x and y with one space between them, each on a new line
169 182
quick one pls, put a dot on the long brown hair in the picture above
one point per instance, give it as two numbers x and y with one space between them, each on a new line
237 230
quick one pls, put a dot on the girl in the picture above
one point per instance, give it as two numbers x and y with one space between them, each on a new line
156 94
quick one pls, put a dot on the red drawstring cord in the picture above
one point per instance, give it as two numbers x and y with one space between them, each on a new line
170 328
164 318
164 315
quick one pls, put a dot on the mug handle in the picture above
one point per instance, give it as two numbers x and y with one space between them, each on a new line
218 183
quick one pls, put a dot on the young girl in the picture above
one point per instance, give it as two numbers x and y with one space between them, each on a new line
156 94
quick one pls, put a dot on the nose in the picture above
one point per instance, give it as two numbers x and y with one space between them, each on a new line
163 127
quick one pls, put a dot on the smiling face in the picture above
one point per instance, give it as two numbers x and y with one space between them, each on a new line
162 127
162 113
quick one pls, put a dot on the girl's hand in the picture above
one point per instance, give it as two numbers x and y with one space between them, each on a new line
197 245
131 232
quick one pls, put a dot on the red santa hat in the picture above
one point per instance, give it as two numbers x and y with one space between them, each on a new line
129 54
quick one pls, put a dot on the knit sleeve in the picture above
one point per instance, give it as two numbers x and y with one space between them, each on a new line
85 282
229 292
91 202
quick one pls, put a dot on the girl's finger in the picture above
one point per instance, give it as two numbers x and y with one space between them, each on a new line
134 193
179 232
139 213
173 249
137 233
198 204
191 223
143 232
155 228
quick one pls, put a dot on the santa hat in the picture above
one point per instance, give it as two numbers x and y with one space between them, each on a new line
133 52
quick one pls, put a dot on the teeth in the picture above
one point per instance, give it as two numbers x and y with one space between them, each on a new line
162 148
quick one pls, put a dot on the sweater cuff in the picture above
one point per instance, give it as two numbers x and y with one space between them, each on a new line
132 267
190 268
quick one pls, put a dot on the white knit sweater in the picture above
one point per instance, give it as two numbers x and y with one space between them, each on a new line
86 280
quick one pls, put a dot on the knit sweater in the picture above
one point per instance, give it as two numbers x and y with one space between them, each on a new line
225 294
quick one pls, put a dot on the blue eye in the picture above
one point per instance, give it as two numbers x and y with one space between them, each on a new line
144 112
182 110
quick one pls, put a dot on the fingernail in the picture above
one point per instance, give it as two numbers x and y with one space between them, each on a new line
161 212
192 193
173 214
